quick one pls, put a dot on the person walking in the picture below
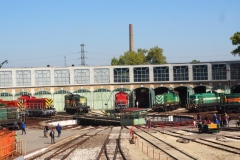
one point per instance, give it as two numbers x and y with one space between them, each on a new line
146 120
137 104
52 136
199 117
149 124
194 122
15 126
46 130
206 117
214 117
131 131
227 119
23 127
59 129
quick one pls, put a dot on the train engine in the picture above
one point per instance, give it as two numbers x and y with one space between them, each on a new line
36 106
9 103
9 115
166 102
75 103
203 102
121 100
230 103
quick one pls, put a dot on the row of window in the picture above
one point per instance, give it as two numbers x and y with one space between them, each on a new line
120 75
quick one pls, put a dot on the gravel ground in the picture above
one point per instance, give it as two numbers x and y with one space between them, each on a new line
89 150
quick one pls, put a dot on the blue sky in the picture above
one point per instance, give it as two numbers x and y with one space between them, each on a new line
37 33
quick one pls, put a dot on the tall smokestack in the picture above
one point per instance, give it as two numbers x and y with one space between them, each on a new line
131 45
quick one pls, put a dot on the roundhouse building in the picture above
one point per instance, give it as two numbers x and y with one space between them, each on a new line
100 83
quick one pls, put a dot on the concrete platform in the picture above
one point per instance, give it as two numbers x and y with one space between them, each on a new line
35 140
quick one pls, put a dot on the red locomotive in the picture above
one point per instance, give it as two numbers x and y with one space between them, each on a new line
121 100
9 103
36 106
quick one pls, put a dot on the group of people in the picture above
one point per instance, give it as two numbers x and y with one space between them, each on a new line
46 131
222 120
16 127
23 127
52 133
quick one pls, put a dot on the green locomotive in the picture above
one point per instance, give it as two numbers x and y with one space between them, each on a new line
166 102
203 102
9 116
74 103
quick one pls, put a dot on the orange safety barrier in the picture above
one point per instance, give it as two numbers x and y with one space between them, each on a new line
146 149
7 143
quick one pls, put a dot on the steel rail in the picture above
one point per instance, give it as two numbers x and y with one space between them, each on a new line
104 145
59 146
188 155
212 146
119 146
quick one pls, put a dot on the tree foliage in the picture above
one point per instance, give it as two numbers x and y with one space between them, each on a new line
195 61
236 41
155 56
142 56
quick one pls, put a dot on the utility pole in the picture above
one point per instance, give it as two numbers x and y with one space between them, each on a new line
3 63
82 55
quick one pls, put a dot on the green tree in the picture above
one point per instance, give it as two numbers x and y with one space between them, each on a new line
142 56
195 61
132 58
236 41
114 61
155 56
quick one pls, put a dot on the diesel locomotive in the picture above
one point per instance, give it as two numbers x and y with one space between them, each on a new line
74 103
9 115
229 103
32 106
203 102
36 107
121 100
220 102
166 101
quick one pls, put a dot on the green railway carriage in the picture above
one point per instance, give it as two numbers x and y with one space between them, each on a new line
74 103
203 102
166 102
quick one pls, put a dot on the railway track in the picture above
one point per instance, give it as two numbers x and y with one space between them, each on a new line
111 149
162 145
65 148
204 141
